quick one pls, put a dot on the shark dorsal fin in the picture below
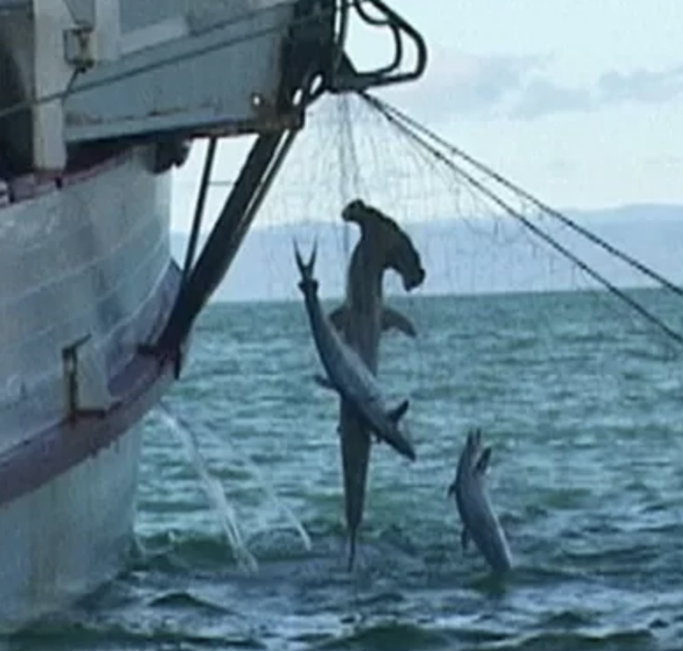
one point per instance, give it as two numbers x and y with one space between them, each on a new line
477 437
474 439
398 412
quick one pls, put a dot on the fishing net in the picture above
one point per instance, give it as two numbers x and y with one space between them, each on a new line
477 234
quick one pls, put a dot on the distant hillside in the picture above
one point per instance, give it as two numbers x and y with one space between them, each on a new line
467 256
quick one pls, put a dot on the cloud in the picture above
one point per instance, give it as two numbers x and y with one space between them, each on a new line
640 86
456 83
541 96
522 87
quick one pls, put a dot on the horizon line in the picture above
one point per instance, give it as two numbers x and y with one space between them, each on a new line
436 294
594 213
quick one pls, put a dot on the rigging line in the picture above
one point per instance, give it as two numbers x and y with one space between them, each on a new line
353 151
168 61
385 106
343 153
352 178
418 140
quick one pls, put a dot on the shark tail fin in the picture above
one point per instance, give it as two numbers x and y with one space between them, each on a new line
306 268
483 461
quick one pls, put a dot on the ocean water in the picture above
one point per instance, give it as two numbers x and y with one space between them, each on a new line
583 404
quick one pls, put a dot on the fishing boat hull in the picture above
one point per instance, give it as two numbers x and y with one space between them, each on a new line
69 536
85 258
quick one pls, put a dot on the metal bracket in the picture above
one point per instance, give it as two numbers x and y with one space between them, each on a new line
78 47
71 387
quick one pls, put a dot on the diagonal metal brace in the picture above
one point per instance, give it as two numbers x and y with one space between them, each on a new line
220 249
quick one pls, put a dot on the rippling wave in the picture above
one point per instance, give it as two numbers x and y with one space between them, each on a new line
585 415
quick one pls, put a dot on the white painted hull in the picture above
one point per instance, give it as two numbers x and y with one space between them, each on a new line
92 258
65 539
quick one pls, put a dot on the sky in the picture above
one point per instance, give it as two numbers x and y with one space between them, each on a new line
578 101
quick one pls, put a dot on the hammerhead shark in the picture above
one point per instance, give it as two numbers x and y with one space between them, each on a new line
361 319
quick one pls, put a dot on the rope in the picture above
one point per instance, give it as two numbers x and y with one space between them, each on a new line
388 109
409 130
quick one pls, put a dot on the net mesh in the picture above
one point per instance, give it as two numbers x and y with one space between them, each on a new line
473 232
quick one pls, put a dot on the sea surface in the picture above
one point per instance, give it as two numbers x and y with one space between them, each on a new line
583 404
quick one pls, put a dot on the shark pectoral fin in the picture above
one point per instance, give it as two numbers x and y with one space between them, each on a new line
394 319
451 490
398 412
337 318
464 539
323 382
483 462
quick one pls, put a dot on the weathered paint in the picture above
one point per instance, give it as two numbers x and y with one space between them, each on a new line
64 539
179 74
90 258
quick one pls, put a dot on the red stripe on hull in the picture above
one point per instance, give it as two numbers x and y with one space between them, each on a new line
31 186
